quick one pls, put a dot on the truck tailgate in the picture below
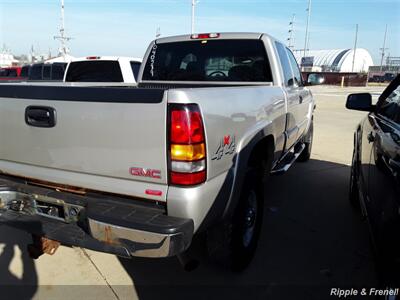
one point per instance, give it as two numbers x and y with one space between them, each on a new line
104 138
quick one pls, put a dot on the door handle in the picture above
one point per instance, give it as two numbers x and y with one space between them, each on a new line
300 99
40 116
370 137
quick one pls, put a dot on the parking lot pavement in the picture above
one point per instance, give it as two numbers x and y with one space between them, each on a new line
311 239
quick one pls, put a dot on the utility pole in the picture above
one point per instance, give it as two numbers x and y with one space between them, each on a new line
355 49
291 33
383 49
194 3
307 38
63 50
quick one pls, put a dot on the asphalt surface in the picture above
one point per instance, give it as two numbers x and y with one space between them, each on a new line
311 239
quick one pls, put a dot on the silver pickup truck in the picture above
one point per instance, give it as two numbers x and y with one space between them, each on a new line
138 171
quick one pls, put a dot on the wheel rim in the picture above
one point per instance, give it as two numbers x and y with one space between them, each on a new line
250 217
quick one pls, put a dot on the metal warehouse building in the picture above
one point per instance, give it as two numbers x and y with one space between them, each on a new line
339 60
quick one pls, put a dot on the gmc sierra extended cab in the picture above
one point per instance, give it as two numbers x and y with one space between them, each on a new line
139 170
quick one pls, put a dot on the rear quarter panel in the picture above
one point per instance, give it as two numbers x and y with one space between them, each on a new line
237 112
240 113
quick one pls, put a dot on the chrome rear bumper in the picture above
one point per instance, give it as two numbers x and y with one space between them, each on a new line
98 223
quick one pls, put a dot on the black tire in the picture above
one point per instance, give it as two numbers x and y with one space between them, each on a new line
307 140
354 196
233 243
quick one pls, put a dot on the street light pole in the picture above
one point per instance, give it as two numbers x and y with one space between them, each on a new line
384 47
306 40
355 48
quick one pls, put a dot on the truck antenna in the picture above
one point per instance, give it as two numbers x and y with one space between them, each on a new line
194 3
63 50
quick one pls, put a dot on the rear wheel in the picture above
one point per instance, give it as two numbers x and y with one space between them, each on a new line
233 243
307 140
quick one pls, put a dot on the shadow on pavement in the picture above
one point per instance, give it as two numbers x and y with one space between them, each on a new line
311 241
11 285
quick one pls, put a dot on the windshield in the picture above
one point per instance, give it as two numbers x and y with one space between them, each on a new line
94 71
209 60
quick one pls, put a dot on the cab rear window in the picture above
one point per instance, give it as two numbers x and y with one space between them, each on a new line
94 71
209 60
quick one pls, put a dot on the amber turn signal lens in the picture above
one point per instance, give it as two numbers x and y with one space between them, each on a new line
188 152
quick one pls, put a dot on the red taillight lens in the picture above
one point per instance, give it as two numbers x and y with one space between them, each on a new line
186 127
187 150
188 178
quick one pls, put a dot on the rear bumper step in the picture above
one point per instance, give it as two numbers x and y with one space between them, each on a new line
100 224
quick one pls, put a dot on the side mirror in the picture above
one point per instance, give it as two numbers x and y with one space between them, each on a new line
315 79
360 101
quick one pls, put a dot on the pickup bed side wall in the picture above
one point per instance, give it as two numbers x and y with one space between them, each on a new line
235 119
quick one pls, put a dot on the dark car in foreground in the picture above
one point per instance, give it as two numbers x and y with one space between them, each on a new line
375 176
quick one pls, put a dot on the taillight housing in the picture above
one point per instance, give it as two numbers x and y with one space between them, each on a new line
201 36
187 148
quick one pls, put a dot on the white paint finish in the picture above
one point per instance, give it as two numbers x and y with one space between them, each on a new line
93 145
124 64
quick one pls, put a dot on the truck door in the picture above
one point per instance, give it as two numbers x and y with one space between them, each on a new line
304 104
292 93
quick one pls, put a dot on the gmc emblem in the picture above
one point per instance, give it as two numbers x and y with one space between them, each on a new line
141 172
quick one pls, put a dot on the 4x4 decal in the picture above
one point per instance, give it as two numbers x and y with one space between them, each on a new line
227 146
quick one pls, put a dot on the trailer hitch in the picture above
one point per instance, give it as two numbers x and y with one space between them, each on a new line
41 245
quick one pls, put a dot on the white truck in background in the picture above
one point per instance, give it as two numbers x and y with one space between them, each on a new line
101 69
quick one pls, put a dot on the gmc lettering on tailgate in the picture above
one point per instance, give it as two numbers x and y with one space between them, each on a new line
141 172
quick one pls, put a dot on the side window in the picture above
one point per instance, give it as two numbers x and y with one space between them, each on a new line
295 68
25 71
57 71
135 69
12 73
46 72
287 70
390 107
36 72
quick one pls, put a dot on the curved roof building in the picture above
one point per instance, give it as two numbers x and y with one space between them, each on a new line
339 60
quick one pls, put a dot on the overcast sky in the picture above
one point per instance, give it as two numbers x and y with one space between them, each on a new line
125 27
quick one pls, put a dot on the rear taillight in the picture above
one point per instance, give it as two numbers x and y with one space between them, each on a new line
187 149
